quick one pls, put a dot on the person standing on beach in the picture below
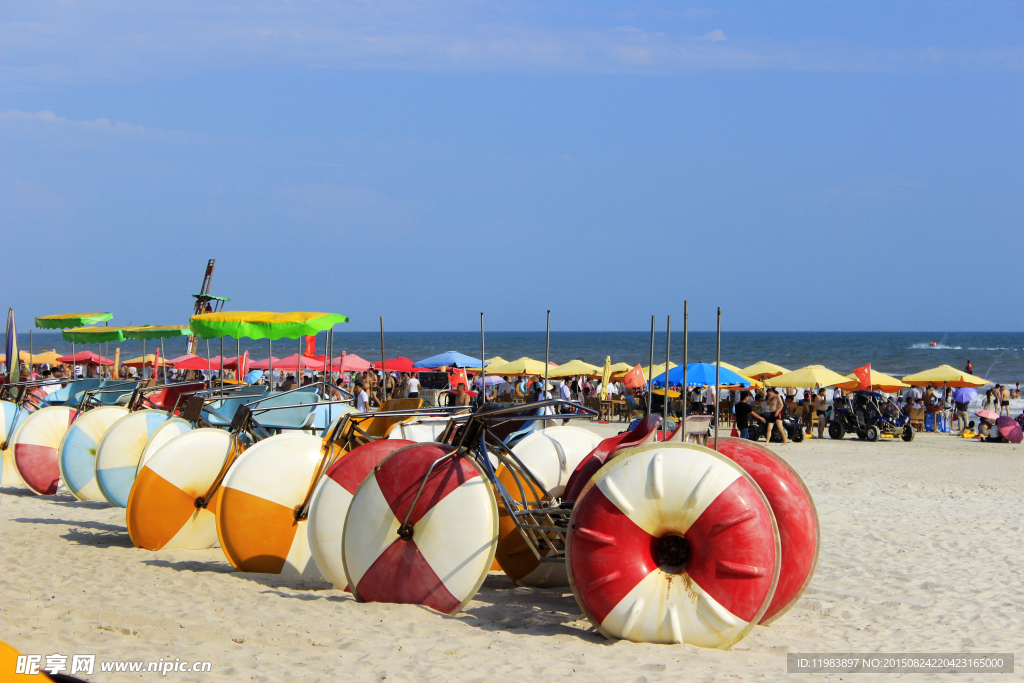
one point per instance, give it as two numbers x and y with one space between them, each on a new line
820 406
362 399
774 409
743 414
413 384
1004 401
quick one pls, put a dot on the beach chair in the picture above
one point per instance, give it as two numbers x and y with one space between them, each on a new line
917 419
695 429
275 421
115 392
220 413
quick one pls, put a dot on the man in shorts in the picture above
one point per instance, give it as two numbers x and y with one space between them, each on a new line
744 413
774 415
1004 401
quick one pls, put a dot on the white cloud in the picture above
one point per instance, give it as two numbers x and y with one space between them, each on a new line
49 117
716 35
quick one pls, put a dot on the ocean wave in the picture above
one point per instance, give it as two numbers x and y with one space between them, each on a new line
937 346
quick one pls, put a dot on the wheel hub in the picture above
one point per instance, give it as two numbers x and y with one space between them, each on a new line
672 552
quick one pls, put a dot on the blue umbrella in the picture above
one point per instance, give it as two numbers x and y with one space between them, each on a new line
448 358
964 395
699 374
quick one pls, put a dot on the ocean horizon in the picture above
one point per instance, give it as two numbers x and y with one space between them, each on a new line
996 356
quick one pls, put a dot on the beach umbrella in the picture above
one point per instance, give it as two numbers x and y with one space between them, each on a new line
491 362
85 358
289 363
1009 428
945 376
157 332
964 394
147 361
810 376
700 374
574 368
606 376
762 369
490 381
63 321
188 361
349 362
753 382
446 359
262 364
988 414
262 324
11 345
879 382
399 364
521 366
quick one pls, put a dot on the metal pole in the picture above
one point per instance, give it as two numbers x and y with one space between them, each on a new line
143 370
209 362
483 370
664 404
383 371
270 347
298 364
650 369
718 373
220 373
686 339
238 358
163 358
74 361
31 354
547 351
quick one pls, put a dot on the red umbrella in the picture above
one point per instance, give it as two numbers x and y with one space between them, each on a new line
85 358
287 364
400 364
189 361
1010 429
349 362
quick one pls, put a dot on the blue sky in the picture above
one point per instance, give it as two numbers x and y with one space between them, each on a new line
806 166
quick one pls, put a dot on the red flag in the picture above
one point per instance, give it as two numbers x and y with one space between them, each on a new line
864 375
310 346
243 366
634 379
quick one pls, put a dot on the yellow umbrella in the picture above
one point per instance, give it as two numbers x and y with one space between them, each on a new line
522 366
945 376
575 367
753 382
762 369
491 363
137 362
810 376
879 382
606 375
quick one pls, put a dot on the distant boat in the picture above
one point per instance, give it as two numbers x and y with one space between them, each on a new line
933 343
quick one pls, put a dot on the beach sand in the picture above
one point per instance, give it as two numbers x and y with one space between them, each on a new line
921 552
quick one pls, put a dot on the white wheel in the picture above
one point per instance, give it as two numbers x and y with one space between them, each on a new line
77 452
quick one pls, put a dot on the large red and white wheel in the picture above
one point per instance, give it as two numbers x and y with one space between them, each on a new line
645 430
162 511
673 543
36 444
799 531
552 455
328 507
258 499
441 558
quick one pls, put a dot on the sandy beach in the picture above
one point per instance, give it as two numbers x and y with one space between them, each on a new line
921 552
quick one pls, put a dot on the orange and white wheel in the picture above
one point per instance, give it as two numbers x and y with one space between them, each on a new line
552 456
328 507
36 444
440 558
77 453
164 432
10 421
799 531
673 543
120 450
256 508
162 509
